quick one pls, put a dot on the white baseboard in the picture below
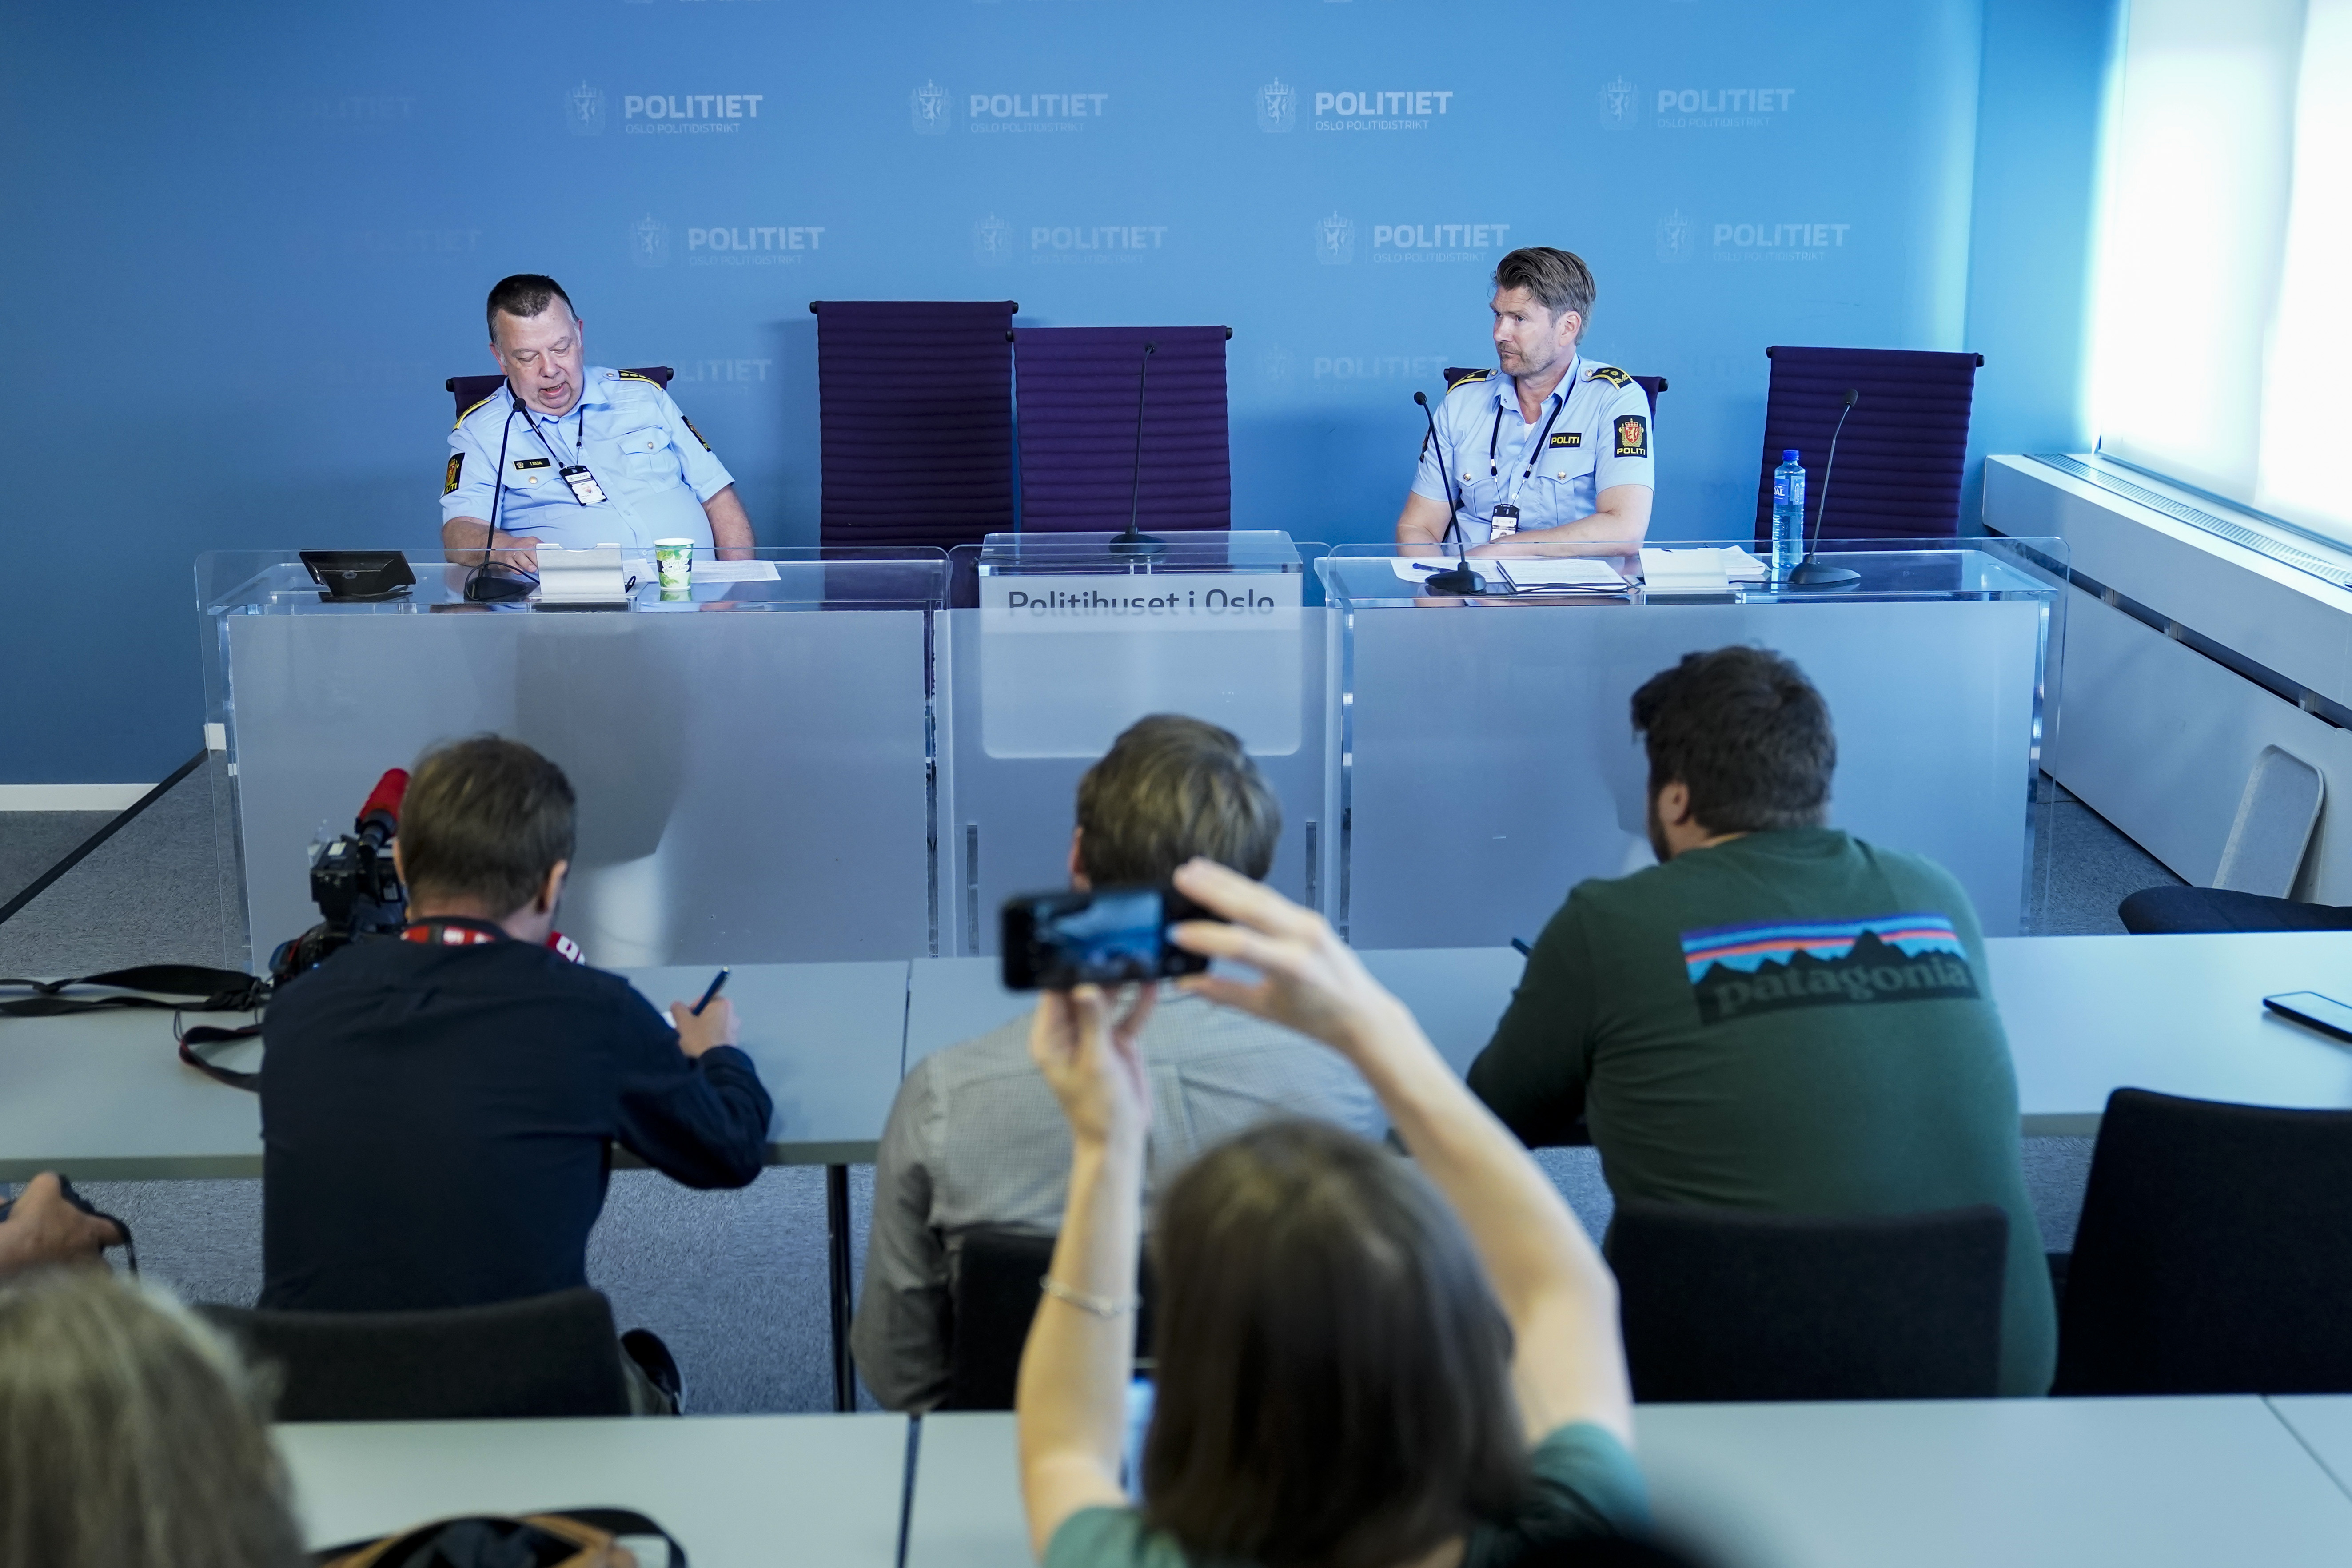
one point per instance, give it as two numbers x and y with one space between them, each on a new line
71 796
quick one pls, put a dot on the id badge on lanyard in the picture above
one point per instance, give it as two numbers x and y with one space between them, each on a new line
584 488
1505 521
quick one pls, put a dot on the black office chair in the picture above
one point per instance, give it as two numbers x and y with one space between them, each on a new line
545 1355
1651 386
2214 1253
1727 1304
992 1296
471 390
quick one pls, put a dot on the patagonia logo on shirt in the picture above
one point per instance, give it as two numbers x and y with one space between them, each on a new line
1738 971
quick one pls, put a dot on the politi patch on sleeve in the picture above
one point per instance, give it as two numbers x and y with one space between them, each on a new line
696 434
1610 373
1632 435
1568 438
457 468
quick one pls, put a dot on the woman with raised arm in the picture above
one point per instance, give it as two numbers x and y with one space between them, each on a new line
1359 1364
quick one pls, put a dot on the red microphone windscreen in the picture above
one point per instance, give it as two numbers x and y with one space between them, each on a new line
385 796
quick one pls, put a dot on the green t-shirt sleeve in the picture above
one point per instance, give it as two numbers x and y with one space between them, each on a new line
1532 1073
1584 1485
1111 1538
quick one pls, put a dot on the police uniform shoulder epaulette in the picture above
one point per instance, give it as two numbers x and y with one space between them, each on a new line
633 376
1460 379
468 414
1610 373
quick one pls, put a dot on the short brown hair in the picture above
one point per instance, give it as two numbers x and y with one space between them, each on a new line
523 296
1171 787
1333 1369
1559 279
485 819
1746 733
131 1435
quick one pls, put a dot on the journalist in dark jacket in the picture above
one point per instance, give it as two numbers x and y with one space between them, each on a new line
438 1108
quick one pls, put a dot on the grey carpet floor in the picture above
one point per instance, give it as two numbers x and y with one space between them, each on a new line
734 1281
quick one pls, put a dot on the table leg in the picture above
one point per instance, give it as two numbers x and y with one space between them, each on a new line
836 1246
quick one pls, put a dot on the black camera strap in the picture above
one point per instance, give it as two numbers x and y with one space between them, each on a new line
176 989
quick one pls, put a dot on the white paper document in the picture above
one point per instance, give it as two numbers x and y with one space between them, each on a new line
735 571
1706 570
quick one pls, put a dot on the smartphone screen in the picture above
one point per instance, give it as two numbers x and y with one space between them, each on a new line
2325 1013
1111 936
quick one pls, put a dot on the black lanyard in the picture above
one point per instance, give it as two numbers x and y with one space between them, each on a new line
1535 447
578 444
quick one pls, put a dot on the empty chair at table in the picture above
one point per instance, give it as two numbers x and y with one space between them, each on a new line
1725 1304
2214 1254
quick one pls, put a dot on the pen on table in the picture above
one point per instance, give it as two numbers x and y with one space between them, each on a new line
716 980
1525 951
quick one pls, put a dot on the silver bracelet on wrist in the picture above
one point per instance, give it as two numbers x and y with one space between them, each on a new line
1100 1306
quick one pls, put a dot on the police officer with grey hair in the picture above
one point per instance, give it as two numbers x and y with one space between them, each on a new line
1552 454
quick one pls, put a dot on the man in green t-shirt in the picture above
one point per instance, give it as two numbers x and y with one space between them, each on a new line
1777 1016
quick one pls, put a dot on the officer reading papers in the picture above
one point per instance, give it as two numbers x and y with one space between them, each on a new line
574 455
1553 452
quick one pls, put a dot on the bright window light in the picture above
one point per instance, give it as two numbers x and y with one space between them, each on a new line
2222 338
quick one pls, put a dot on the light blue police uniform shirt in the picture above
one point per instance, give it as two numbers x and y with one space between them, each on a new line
1601 438
655 468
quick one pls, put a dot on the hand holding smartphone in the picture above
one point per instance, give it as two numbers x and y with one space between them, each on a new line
1107 937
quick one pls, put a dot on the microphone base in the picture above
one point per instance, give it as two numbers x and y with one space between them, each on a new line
497 587
1133 543
1812 573
1458 580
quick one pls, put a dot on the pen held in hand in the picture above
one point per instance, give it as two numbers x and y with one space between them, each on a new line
716 980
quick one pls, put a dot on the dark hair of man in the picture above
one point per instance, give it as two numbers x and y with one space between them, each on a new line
1171 787
1746 733
1559 279
524 295
485 819
1334 1371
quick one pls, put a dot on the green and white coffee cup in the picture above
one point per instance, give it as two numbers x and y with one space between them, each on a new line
673 559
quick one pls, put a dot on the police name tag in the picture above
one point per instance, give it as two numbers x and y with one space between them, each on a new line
584 487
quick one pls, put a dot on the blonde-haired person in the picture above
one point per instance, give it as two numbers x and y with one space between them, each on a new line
1361 1363
132 1436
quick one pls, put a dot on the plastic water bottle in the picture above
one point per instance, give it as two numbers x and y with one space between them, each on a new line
1787 515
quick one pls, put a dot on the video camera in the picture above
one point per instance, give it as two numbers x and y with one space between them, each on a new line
353 883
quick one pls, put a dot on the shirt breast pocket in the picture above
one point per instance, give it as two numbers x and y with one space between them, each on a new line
647 453
1561 489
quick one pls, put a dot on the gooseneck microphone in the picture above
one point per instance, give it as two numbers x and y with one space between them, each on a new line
488 583
1133 542
1810 572
1458 579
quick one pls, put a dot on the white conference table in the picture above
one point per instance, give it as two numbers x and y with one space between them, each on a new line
734 1492
2019 1482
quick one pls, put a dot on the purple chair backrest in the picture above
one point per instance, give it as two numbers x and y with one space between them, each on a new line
471 390
1076 392
915 411
1900 461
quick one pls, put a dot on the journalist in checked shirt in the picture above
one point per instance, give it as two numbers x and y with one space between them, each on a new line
976 1137
1562 438
590 455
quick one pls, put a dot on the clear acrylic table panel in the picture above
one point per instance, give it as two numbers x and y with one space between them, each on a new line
1483 752
752 762
1061 640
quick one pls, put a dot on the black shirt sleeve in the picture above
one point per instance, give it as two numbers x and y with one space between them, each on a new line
702 1123
1532 1073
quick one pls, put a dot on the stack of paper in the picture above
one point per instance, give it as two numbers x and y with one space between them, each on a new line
1524 574
1702 570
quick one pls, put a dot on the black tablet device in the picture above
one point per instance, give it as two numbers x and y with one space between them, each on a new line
359 574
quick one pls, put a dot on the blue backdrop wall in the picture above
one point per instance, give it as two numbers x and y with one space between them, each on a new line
249 243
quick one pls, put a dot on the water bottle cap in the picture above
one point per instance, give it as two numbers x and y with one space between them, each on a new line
1789 455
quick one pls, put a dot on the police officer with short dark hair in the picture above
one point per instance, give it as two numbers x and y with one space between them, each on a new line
574 455
1549 457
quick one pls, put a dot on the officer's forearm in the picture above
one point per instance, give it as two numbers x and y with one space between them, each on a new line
1422 522
731 526
1622 519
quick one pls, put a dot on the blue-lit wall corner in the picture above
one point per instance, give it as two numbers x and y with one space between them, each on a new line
250 242
2048 64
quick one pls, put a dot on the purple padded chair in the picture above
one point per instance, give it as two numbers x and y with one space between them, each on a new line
915 409
1904 448
1077 389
